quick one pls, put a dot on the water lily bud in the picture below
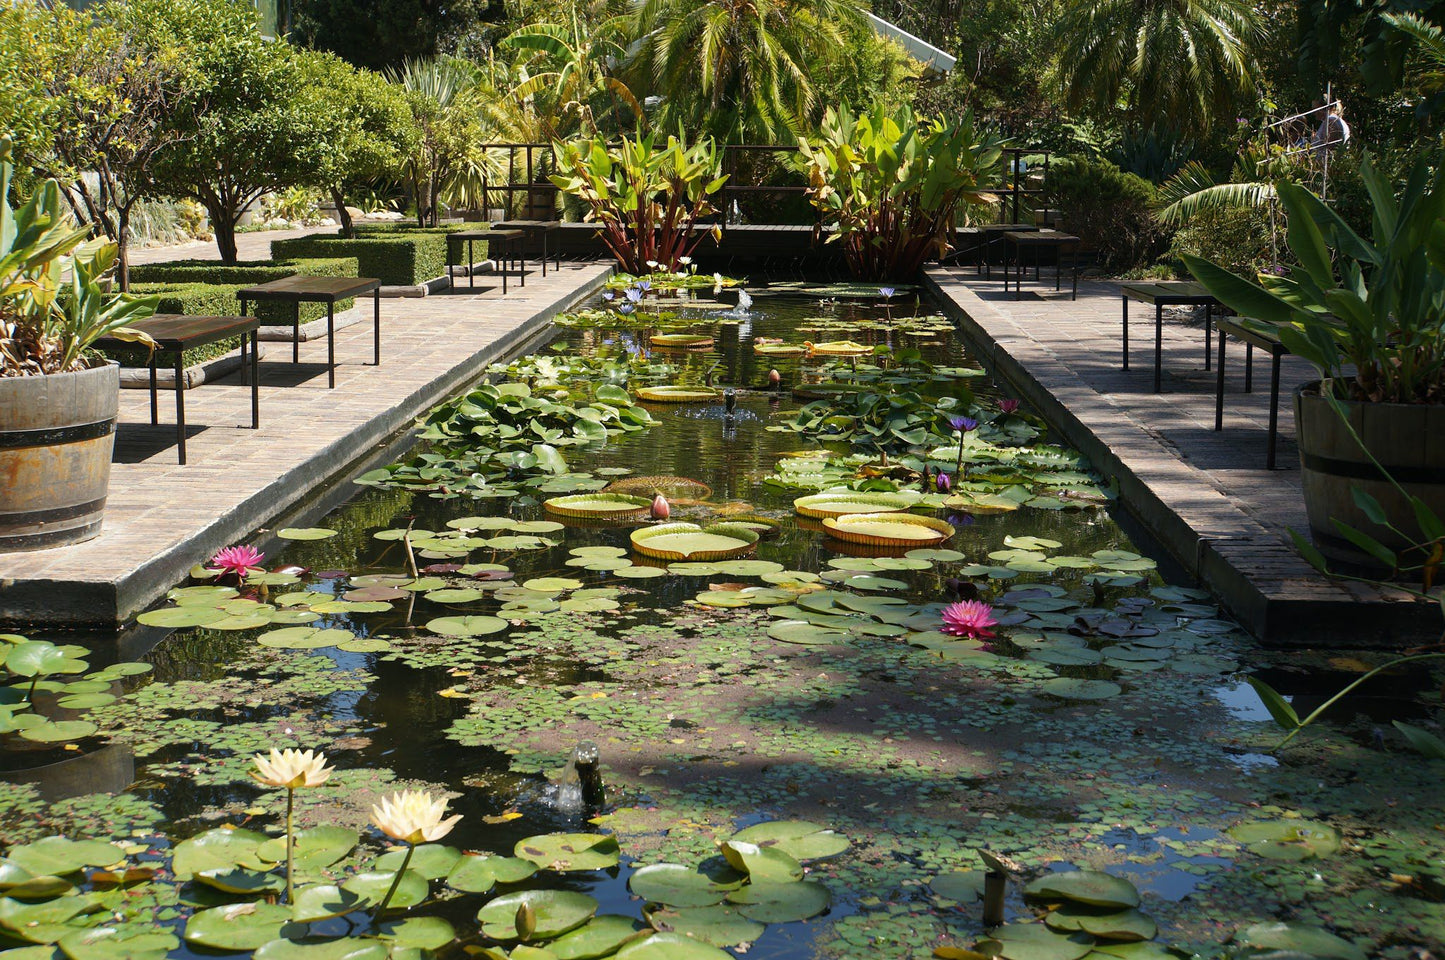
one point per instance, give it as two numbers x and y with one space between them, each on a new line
774 378
661 509
943 482
526 921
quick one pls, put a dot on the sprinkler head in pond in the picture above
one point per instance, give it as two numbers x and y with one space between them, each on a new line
730 401
579 787
660 510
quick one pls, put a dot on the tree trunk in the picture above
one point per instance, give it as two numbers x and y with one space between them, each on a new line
223 222
348 230
122 244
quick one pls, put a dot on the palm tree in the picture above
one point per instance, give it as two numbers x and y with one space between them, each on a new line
578 61
739 68
1168 63
446 96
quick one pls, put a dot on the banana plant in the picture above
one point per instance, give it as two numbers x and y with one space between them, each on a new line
893 183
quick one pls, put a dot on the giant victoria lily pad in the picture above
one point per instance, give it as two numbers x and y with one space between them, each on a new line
677 394
688 541
598 506
841 503
888 529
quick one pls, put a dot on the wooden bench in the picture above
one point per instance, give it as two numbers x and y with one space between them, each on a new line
1173 293
509 241
328 290
174 333
1253 334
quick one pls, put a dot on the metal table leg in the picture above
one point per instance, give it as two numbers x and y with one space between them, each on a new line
1158 347
330 344
544 251
1219 386
471 266
1208 332
376 326
1125 298
296 336
1249 368
154 418
522 258
1273 409
255 381
180 386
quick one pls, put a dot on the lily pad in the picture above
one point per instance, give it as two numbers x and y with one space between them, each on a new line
600 506
1121 925
1089 887
671 946
799 839
478 626
570 851
888 529
677 394
431 860
555 912
1299 938
823 505
681 886
371 886
305 533
1070 688
768 902
761 863
1288 839
345 948
219 848
719 925
688 541
477 873
55 856
240 926
123 942
599 937
1034 941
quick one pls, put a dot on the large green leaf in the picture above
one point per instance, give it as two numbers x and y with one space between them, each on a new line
554 912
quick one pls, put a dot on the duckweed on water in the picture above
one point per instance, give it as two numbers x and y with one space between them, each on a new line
453 636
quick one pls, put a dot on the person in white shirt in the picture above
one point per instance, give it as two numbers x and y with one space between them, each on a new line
1333 130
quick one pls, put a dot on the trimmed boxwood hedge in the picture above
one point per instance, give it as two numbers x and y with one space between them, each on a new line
246 272
398 258
191 299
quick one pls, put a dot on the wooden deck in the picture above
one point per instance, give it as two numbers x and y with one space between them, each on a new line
1204 495
162 518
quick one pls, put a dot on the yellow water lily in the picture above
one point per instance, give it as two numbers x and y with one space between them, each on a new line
412 816
291 769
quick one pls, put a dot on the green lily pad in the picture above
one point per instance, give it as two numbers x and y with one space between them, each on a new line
305 533
555 913
59 731
364 645
304 638
466 626
965 886
719 925
671 946
761 863
312 848
219 848
345 948
1122 925
599 937
124 942
803 632
1070 688
570 851
371 886
1089 887
681 886
186 615
55 856
241 880
477 873
1034 941
240 926
768 902
552 584
421 933
1287 839
431 860
322 901
799 839
1299 938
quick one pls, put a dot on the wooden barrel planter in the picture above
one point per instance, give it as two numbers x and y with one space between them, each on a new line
1408 440
57 433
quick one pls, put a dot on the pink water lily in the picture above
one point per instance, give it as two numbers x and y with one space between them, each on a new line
237 560
660 509
968 618
1008 406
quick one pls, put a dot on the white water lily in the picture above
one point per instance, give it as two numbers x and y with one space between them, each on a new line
412 816
684 260
291 769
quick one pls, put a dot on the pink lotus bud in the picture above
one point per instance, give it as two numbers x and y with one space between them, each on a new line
1008 406
774 378
660 508
943 483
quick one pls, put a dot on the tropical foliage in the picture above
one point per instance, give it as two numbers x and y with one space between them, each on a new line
648 197
892 184
1375 305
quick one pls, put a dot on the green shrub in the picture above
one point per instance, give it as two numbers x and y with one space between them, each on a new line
1236 238
407 258
1108 209
190 299
245 273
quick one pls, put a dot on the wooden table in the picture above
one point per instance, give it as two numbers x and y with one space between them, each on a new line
1173 293
544 228
327 290
510 240
1253 334
1040 240
986 235
176 334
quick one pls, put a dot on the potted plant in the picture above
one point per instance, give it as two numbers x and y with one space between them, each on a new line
1370 316
58 401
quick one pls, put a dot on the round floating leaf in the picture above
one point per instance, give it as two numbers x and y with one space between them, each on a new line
685 541
599 506
570 851
186 615
1299 938
760 863
803 632
598 937
304 638
346 948
799 839
118 943
639 573
1288 839
677 394
768 902
55 856
220 848
1071 689
305 533
241 880
688 568
748 568
364 645
719 925
822 505
671 946
555 911
1089 887
312 848
965 886
456 595
59 731
239 926
371 886
421 933
476 873
552 584
466 626
888 529
322 901
1034 941
681 886
431 860
1121 925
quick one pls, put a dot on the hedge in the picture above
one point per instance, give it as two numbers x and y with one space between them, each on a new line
190 299
399 258
247 272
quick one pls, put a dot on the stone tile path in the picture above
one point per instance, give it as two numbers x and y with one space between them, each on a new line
162 518
252 245
1205 495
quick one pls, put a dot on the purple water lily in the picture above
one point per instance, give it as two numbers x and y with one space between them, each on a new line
634 294
609 295
942 482
627 308
644 285
962 424
886 292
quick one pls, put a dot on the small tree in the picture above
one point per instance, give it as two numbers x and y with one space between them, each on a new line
445 104
374 135
249 124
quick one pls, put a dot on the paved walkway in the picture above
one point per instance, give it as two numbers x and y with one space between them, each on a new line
252 245
162 518
1205 495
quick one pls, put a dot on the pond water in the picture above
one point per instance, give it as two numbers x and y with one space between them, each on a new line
1106 725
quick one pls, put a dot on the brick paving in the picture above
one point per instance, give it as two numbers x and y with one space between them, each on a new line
162 518
1206 496
251 245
